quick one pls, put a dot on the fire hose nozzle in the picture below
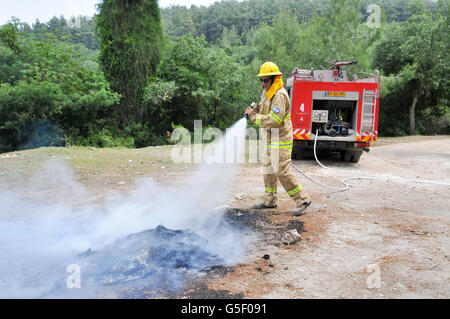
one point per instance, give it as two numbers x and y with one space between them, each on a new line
252 106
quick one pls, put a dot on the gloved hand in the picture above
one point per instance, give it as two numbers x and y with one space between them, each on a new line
249 111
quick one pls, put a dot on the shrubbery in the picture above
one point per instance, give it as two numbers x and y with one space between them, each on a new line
43 81
53 90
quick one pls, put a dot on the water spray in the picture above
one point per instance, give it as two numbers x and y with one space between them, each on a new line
39 240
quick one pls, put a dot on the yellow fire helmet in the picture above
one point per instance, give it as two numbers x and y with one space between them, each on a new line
269 68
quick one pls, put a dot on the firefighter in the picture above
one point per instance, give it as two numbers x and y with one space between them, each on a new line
273 116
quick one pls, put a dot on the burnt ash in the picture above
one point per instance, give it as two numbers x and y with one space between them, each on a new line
200 290
247 221
259 221
151 255
166 263
155 262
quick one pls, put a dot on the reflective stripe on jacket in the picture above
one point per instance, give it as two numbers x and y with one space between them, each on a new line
275 114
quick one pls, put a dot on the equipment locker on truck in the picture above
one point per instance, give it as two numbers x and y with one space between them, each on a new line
343 113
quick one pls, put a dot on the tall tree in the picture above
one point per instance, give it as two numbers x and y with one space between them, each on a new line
130 36
47 96
195 82
334 35
418 51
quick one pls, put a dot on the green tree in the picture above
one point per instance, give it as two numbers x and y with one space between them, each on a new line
8 35
195 82
242 16
179 22
130 38
46 86
335 35
245 15
417 50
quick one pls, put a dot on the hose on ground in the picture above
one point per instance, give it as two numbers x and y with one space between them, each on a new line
319 183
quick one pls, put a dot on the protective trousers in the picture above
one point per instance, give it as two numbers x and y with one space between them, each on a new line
277 167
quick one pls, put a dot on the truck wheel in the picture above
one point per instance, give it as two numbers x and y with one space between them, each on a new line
346 156
356 157
349 156
297 154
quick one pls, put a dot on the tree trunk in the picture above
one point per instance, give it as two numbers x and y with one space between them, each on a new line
215 110
412 124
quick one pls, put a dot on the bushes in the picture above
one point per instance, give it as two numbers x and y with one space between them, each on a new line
53 92
45 82
106 137
417 52
195 82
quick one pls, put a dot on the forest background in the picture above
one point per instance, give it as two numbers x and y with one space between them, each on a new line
134 72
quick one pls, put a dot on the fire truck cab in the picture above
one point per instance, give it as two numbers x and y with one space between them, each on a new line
341 114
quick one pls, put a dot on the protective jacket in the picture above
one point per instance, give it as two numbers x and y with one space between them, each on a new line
274 119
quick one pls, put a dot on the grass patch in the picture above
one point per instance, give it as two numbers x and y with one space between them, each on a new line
92 166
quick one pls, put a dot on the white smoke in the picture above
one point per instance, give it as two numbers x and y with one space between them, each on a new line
40 237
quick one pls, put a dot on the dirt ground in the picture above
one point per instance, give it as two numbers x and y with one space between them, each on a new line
387 236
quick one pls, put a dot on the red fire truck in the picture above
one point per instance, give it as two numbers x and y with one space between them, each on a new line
342 113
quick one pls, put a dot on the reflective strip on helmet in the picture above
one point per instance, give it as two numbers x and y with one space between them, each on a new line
275 117
295 190
271 189
280 145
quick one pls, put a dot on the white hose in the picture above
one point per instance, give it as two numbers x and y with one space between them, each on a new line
317 160
368 176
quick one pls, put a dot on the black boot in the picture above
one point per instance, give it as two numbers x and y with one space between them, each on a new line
298 211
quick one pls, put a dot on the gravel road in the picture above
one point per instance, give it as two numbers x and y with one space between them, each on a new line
387 236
